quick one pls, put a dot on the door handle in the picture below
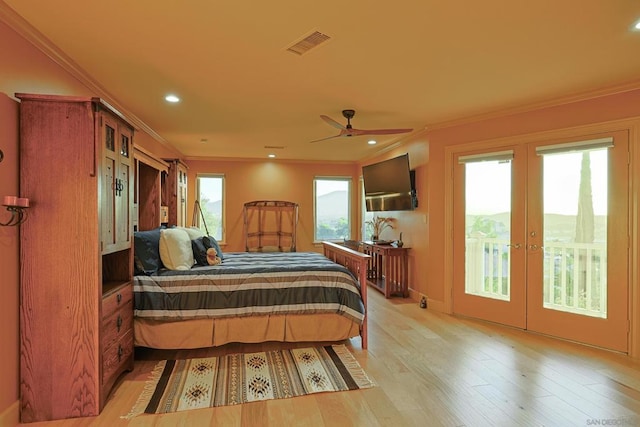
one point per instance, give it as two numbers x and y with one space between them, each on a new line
534 247
516 246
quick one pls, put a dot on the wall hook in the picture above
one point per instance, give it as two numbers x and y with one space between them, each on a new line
17 206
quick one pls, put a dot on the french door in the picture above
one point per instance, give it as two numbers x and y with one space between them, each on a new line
540 238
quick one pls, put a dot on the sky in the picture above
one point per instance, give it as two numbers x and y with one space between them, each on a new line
489 184
211 187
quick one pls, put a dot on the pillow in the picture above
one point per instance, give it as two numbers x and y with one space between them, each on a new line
199 251
175 249
213 243
146 251
200 247
194 232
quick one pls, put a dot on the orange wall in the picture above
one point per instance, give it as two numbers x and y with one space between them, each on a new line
293 181
249 180
412 224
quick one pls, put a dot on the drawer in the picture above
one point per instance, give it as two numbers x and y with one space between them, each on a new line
378 251
117 358
116 300
116 325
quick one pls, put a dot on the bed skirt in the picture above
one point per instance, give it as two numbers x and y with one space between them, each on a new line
199 333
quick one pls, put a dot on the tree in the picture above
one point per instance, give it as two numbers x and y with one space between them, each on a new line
585 219
585 223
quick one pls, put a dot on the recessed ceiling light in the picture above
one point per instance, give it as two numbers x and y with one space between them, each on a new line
372 142
637 26
272 156
172 98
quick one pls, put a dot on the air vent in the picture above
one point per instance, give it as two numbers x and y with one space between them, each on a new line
274 147
309 42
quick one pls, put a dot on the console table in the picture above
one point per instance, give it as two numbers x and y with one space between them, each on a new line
388 269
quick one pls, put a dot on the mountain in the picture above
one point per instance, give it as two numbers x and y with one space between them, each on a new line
332 205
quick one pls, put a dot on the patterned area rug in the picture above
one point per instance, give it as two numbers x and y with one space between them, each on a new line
179 385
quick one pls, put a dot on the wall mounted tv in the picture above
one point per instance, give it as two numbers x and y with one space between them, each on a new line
390 185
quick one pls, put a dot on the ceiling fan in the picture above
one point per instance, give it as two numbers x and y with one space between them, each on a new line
348 130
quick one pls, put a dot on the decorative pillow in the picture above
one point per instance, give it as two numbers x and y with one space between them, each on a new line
146 251
175 249
213 243
199 251
200 246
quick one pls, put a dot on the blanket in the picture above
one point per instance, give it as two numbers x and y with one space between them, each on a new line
248 284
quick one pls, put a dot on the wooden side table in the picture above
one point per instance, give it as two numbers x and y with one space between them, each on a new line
388 269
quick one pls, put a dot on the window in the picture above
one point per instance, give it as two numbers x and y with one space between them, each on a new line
332 217
367 229
210 195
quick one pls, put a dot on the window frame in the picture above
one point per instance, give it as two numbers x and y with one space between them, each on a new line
365 230
197 215
349 182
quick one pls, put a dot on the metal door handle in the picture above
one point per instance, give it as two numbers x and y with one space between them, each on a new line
534 247
516 245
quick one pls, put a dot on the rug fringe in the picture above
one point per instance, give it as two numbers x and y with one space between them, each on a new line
147 392
357 373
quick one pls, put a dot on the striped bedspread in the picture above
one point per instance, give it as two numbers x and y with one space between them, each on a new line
248 284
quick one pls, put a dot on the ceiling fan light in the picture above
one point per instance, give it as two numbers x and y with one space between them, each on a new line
372 142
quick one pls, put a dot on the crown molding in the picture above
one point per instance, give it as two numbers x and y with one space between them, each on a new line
46 46
524 108
267 160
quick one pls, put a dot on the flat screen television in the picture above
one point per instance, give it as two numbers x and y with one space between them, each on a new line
389 185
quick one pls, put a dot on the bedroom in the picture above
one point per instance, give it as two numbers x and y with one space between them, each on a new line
29 70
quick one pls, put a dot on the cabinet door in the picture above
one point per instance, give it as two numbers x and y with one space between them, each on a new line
124 188
182 196
108 132
117 185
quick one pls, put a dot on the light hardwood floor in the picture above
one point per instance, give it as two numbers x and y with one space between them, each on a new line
431 369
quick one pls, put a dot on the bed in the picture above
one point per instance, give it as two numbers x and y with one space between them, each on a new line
254 297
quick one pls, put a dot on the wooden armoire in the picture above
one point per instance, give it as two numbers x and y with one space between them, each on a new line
76 256
176 189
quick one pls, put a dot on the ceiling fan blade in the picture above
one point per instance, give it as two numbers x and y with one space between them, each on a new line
324 139
356 132
332 122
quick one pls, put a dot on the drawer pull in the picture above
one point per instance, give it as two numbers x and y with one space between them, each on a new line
120 352
119 298
119 322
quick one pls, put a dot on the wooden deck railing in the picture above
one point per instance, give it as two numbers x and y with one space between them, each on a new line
574 274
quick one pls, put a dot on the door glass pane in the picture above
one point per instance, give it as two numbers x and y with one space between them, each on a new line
575 232
488 229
